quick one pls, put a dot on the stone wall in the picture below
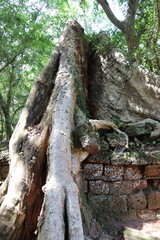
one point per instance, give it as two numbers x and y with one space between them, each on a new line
123 185
115 89
117 185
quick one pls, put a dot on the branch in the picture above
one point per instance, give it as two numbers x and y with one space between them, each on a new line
15 112
3 105
110 15
11 60
131 12
38 12
21 51
158 11
158 15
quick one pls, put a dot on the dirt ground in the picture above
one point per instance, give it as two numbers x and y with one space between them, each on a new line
146 226
149 227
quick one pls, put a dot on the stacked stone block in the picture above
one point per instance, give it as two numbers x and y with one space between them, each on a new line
122 185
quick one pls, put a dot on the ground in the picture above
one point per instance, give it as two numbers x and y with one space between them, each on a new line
150 227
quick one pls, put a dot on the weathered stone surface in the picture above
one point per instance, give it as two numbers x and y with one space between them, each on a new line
98 187
152 154
138 129
113 173
137 200
131 173
99 206
104 145
85 186
118 203
91 177
88 138
139 184
94 170
155 183
101 157
116 140
106 207
110 76
154 200
152 171
136 158
124 187
122 159
95 229
147 214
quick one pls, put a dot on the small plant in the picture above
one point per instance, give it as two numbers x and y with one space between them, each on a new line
116 119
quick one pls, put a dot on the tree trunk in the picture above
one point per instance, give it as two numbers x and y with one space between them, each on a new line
60 215
21 195
40 198
127 26
5 108
132 41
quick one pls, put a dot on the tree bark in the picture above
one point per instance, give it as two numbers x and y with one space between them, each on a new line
21 205
105 5
126 26
40 197
60 216
5 108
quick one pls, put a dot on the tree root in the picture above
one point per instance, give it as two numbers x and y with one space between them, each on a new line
154 124
25 161
102 124
61 218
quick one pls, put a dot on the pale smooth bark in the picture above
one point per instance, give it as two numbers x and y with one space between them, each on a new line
60 217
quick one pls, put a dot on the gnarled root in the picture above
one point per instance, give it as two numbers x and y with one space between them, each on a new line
155 133
147 127
103 124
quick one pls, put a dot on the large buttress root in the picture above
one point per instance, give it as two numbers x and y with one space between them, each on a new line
60 217
27 153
